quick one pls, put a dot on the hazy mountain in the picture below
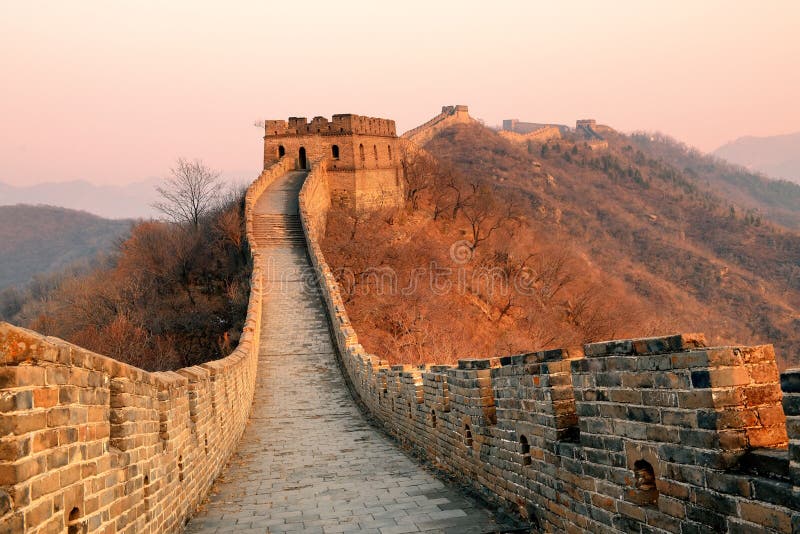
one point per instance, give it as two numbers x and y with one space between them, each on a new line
110 201
41 239
777 156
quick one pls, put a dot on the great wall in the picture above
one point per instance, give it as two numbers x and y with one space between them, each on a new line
647 435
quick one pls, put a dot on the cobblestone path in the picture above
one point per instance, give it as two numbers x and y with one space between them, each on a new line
309 461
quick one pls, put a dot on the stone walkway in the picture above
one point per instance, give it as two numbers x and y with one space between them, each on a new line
309 461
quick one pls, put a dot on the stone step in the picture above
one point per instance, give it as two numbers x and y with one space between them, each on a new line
271 229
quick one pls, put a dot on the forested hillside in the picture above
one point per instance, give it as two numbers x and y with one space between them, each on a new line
170 294
42 239
644 237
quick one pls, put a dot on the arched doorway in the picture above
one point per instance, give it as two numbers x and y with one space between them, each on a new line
303 158
281 151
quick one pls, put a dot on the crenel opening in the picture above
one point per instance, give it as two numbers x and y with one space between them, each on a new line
74 524
645 483
525 449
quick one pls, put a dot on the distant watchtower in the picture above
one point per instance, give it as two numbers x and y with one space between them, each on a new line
365 169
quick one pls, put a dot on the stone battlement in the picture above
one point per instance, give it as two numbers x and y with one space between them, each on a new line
342 124
366 168
655 435
449 116
521 132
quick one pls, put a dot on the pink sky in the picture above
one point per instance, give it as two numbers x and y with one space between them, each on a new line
114 92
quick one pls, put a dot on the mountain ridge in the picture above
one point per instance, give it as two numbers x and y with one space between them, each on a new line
129 201
777 156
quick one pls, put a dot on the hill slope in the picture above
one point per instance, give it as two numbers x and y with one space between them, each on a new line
644 237
777 156
41 239
777 199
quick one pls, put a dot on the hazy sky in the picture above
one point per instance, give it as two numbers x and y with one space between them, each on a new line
113 91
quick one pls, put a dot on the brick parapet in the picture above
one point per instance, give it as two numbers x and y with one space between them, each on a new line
90 444
790 383
545 133
341 124
449 116
642 435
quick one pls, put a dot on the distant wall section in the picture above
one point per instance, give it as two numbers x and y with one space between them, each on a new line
449 116
545 133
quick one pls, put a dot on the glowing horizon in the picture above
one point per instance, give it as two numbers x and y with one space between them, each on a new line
115 93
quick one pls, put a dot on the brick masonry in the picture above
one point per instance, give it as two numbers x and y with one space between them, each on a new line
89 444
449 116
308 460
363 153
645 435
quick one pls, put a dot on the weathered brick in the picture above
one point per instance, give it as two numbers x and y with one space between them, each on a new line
767 516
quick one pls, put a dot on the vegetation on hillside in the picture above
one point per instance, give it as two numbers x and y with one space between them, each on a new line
777 199
628 241
43 239
172 294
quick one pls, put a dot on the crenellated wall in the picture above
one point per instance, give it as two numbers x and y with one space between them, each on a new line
343 123
449 116
90 444
647 435
364 154
545 133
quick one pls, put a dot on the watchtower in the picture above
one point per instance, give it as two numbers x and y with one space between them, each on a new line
365 168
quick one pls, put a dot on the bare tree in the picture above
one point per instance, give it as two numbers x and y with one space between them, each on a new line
441 193
191 192
485 213
419 169
460 190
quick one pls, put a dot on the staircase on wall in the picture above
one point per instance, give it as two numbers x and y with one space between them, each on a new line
278 229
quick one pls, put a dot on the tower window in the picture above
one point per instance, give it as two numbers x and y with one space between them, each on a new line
335 151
